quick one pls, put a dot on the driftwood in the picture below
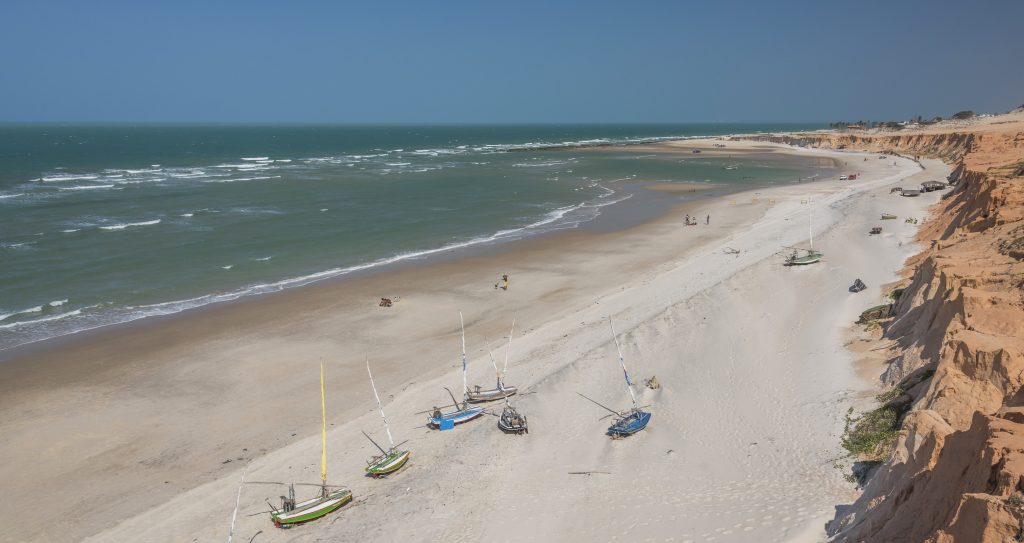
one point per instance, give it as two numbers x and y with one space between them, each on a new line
589 472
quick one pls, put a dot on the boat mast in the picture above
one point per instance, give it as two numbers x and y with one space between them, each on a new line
323 429
379 406
810 218
622 362
509 348
465 384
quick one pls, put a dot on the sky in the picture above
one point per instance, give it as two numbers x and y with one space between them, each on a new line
523 62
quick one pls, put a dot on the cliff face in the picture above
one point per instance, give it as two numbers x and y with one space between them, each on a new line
957 471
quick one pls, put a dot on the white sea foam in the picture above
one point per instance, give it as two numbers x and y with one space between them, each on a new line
187 214
122 226
15 195
49 318
68 177
58 303
70 230
234 179
264 259
256 159
87 187
228 267
36 309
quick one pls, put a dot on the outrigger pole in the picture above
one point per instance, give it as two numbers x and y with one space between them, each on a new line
602 406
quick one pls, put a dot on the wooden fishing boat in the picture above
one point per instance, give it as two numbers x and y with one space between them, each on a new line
388 461
479 394
512 421
446 421
634 421
629 422
327 502
811 256
330 499
795 259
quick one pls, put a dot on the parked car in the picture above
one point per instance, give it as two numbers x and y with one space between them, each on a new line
843 178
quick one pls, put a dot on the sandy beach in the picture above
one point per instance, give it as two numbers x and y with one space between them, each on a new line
142 432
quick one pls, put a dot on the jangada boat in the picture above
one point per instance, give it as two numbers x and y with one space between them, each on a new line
629 422
446 421
330 498
479 394
512 421
811 256
388 461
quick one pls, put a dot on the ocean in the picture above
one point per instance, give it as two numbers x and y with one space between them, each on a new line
105 224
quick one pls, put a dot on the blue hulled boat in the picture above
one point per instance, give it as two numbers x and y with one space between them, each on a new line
629 422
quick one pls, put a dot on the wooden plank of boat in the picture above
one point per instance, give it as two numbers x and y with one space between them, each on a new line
314 508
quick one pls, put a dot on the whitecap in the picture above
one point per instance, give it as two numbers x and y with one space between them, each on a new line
228 267
87 187
122 226
59 178
187 214
42 319
257 158
70 230
5 196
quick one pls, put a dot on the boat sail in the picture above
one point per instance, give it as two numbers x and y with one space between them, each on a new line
330 499
478 394
628 422
391 460
812 256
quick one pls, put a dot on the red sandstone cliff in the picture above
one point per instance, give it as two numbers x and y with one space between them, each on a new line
957 470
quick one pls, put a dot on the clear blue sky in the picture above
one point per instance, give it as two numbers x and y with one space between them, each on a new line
523 61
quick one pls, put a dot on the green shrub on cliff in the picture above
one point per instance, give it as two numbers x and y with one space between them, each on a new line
872 435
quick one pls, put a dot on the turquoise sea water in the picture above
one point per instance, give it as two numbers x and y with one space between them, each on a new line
102 224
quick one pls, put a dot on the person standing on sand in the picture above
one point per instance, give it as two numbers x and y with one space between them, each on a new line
504 282
708 220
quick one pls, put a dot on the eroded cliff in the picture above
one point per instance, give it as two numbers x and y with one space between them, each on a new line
956 472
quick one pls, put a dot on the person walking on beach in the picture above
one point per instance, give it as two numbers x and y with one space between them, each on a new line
708 220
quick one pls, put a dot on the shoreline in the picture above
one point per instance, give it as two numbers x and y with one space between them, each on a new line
548 286
632 191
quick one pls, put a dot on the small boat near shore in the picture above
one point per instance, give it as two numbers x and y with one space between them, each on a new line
633 420
388 461
481 395
512 421
330 499
446 421
810 256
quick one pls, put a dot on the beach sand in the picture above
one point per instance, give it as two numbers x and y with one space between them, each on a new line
141 432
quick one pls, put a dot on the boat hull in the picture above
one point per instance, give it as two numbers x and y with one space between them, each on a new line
490 395
805 260
313 509
388 464
456 417
630 424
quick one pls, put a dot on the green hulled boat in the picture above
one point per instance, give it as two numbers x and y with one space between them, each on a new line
388 461
811 256
330 499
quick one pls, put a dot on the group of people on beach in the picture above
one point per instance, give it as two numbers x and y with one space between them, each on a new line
692 221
